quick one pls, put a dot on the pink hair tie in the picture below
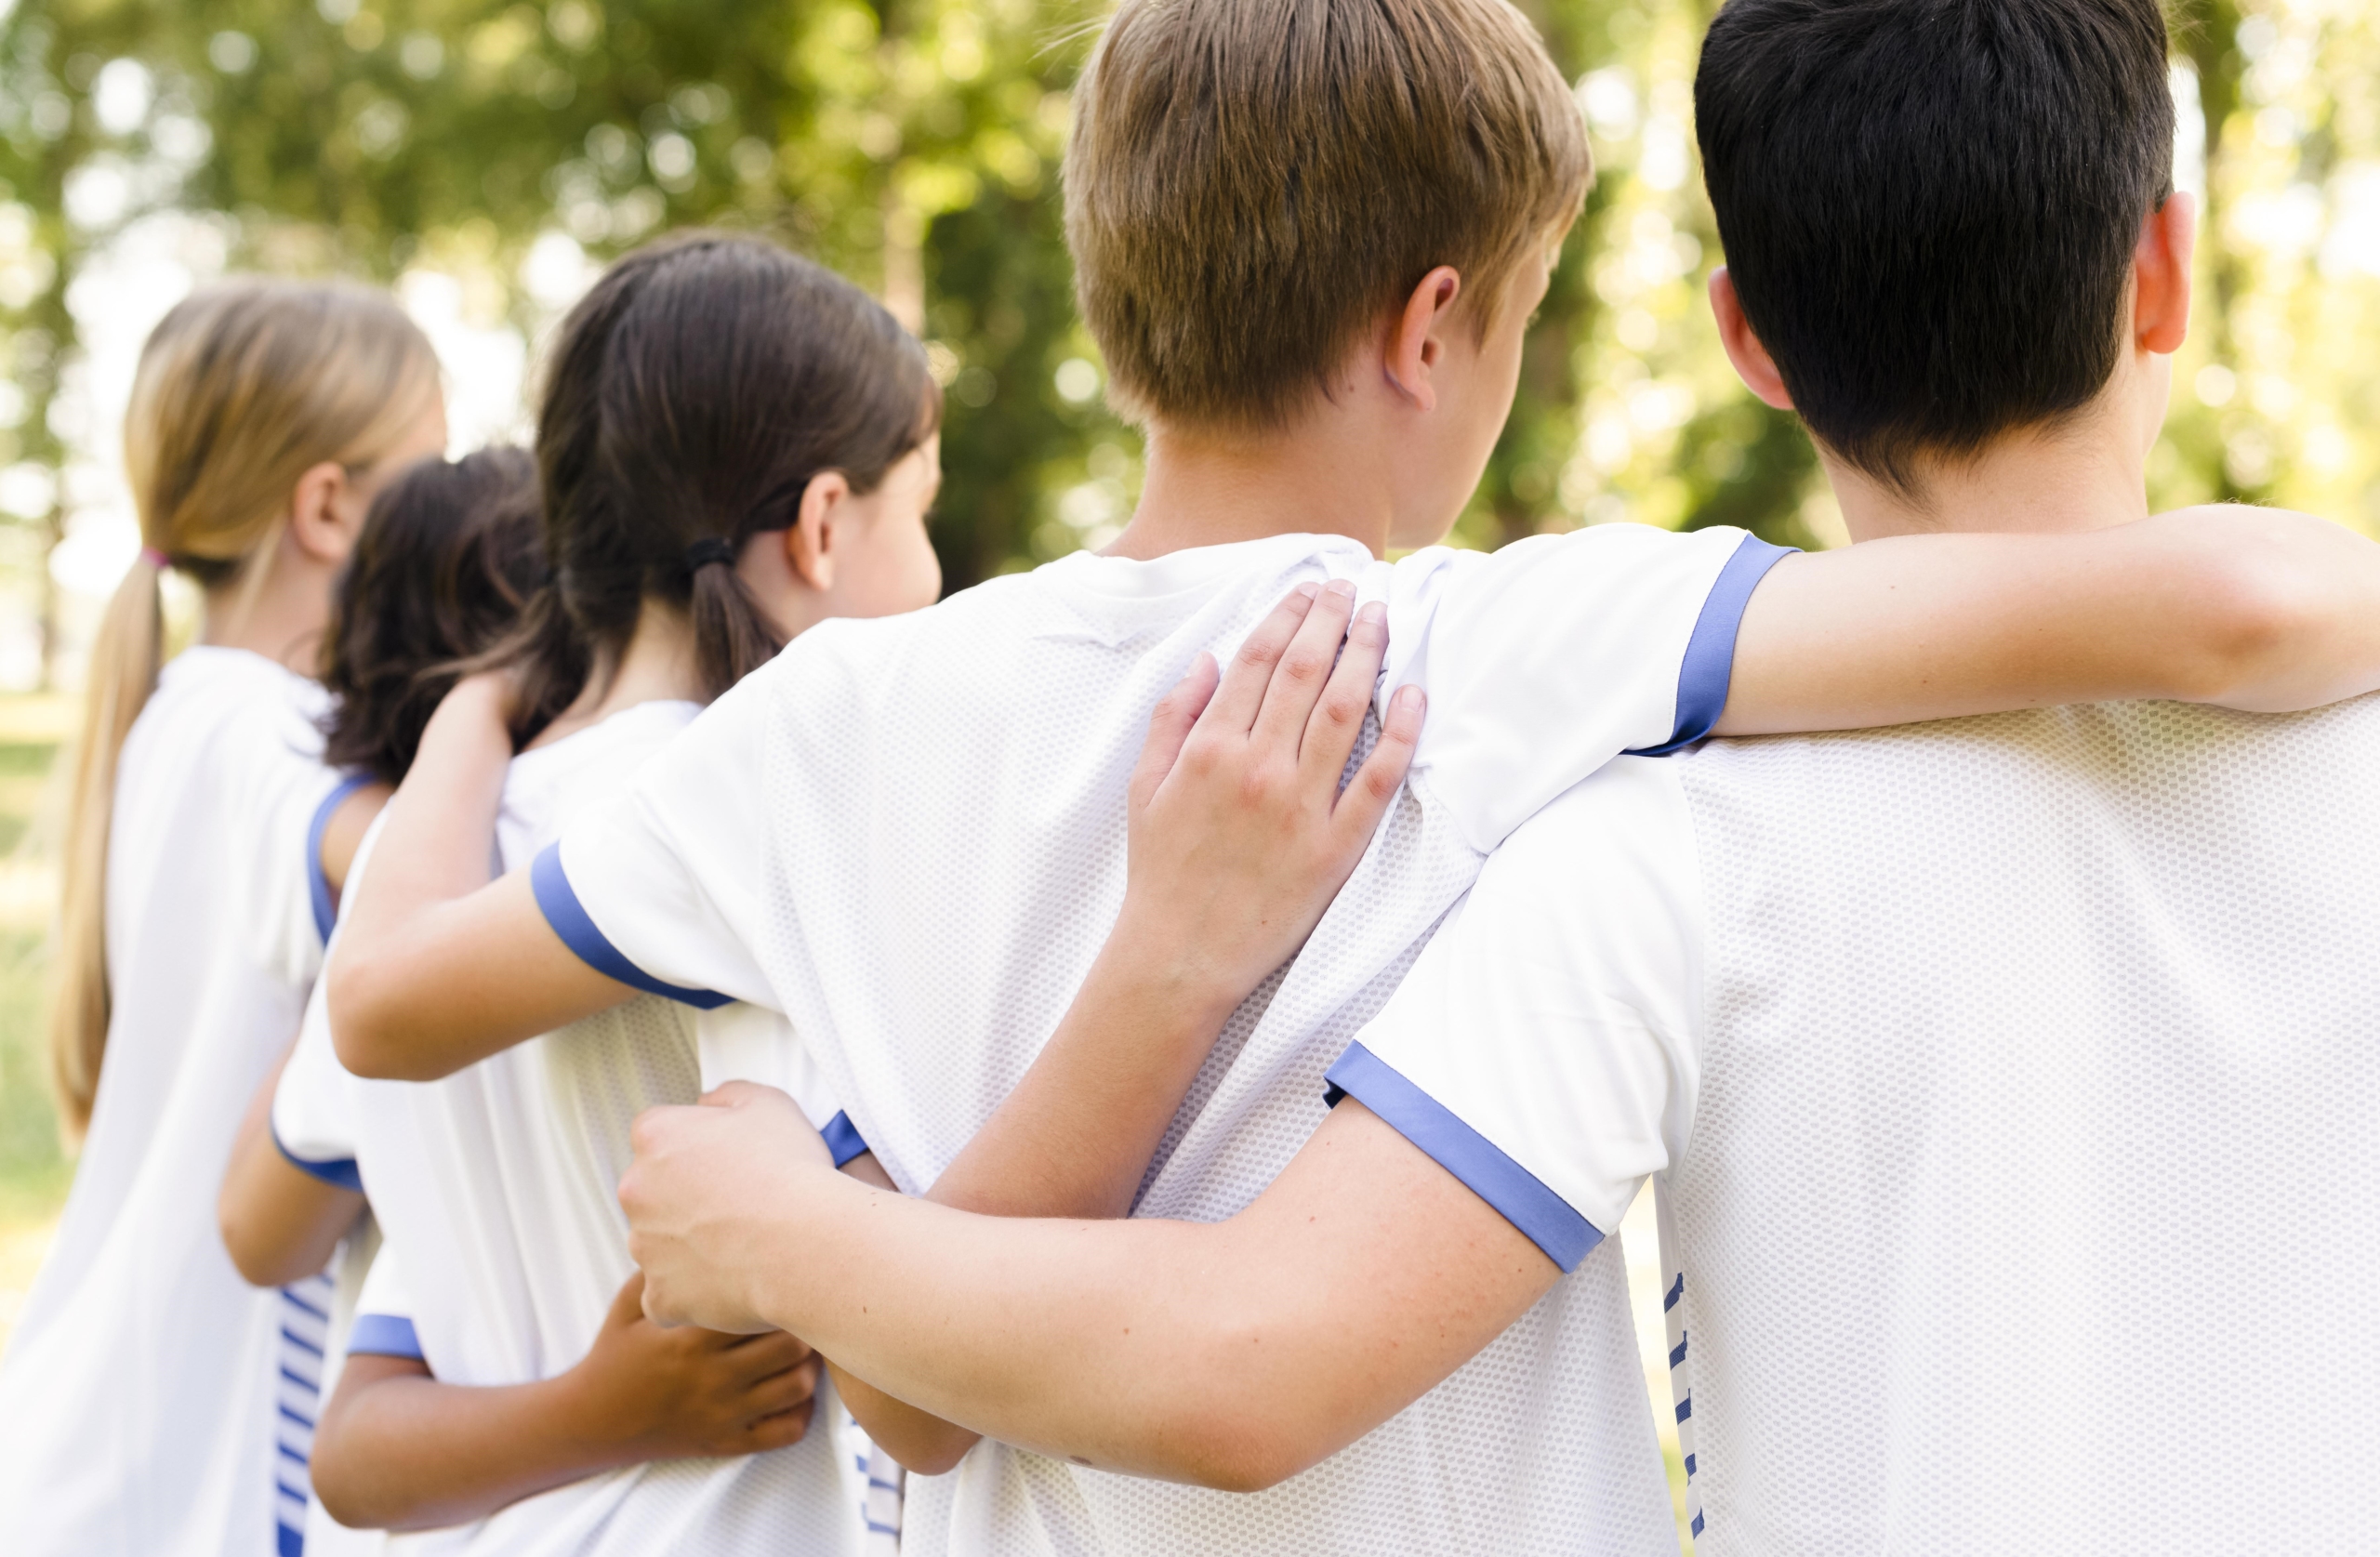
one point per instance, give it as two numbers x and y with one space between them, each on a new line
156 558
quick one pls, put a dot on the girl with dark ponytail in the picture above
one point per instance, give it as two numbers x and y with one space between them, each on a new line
732 444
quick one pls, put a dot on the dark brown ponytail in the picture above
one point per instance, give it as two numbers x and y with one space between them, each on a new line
690 397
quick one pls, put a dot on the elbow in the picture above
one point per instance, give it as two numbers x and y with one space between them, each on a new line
2267 617
1236 1449
930 1457
254 1258
360 1028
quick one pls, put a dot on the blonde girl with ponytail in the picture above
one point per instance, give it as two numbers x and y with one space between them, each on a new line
139 1397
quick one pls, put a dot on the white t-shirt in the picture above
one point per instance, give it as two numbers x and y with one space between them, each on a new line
908 835
2011 1086
494 1190
142 1393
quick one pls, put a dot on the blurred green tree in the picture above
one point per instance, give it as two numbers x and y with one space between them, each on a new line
914 145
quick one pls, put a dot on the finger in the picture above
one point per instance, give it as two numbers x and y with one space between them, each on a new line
778 1431
1373 790
771 1352
1337 722
737 1094
1242 690
785 1391
628 1303
1304 669
1170 725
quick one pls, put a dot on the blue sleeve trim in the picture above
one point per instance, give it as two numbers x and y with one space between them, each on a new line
318 885
385 1335
560 906
1710 661
1565 1235
843 1139
338 1173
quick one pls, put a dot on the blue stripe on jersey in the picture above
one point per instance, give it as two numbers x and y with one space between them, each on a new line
1710 662
1520 1195
289 1295
338 1173
290 1543
1697 1525
1677 1290
318 885
385 1335
560 906
843 1139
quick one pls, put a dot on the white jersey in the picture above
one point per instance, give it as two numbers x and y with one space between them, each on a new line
908 835
494 1190
2011 1084
143 1393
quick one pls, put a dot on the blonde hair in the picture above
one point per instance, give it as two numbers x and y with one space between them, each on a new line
1250 184
241 388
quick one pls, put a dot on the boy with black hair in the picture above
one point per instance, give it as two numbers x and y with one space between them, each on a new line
1339 360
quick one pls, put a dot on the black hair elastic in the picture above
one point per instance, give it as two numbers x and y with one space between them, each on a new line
709 549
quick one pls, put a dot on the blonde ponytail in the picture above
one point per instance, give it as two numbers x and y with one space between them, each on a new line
244 386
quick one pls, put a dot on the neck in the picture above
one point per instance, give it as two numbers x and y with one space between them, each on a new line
280 615
2083 477
657 666
1208 489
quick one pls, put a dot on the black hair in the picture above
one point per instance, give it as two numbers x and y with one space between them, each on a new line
1929 207
690 397
449 554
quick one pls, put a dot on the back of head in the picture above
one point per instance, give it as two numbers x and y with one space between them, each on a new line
1929 207
242 388
1253 184
449 554
690 397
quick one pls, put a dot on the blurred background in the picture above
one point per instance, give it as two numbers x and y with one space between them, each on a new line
486 159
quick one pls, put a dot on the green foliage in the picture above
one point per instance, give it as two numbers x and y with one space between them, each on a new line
914 144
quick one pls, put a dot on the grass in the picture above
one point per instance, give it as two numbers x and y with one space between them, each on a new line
34 1169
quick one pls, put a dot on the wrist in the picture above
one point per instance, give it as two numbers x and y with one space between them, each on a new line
1150 967
600 1429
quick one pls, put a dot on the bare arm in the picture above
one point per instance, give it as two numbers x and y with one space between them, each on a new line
1239 838
280 1223
1231 1354
398 1450
436 966
2257 609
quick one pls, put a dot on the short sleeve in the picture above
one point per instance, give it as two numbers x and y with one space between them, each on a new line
277 831
651 886
742 1042
384 1312
1545 1049
1548 659
313 1106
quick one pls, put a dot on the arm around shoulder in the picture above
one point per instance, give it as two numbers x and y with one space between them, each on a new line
2257 608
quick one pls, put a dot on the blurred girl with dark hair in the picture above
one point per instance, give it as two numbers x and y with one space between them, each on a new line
732 444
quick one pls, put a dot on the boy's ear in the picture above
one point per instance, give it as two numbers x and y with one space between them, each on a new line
1753 365
810 541
2160 268
1417 337
320 520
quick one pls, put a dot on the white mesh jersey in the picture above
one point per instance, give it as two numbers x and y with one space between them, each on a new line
494 1193
143 1388
2013 1089
908 835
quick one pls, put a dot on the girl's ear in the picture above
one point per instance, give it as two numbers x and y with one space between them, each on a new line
325 512
810 544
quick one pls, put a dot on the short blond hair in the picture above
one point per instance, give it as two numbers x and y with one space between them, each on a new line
1253 184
